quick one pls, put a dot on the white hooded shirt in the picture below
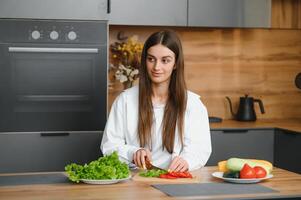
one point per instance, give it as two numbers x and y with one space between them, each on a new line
121 134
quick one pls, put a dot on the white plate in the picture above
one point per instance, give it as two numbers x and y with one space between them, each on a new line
240 180
104 182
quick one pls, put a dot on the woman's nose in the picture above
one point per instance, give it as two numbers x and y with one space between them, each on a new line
157 65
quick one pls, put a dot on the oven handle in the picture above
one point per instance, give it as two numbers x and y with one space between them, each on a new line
52 50
53 97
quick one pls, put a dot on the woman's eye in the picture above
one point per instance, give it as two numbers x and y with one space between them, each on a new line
165 61
150 59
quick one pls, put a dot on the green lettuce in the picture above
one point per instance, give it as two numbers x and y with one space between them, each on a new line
107 167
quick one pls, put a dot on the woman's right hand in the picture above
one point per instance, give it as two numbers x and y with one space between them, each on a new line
142 158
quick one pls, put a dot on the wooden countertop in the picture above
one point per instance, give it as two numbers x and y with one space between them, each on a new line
289 124
287 183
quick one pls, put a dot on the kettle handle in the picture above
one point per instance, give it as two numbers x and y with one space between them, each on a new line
260 105
231 109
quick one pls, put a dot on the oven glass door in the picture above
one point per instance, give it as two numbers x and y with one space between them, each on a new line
57 89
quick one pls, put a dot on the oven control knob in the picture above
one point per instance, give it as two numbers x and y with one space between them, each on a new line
54 35
72 35
35 34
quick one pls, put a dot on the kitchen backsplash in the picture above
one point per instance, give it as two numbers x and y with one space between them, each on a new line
233 62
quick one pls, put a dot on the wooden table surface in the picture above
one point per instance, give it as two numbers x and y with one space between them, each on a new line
287 183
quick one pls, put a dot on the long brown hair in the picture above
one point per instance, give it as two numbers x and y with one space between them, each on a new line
177 95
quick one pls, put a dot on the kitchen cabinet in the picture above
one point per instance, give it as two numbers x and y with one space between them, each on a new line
199 13
55 9
144 12
241 143
29 152
287 150
229 13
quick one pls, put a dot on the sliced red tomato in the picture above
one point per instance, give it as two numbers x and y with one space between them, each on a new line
188 175
167 176
247 172
174 175
260 172
180 174
184 175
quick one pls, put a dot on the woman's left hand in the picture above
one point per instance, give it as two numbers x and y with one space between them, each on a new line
178 164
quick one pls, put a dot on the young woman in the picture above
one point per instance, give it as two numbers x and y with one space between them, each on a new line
159 121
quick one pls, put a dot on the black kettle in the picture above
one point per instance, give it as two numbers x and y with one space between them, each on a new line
246 110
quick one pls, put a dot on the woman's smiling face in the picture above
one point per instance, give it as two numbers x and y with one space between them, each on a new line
160 62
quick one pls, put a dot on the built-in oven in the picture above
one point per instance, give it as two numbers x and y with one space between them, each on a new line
53 93
53 75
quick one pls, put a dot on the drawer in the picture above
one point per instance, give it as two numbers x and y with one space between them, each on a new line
28 152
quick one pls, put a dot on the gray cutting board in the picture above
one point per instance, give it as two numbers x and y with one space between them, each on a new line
32 179
208 189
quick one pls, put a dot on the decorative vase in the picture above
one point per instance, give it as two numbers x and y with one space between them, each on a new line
127 84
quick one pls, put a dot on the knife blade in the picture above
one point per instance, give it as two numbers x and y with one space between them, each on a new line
150 165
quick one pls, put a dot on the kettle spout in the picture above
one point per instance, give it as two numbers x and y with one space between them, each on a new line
231 109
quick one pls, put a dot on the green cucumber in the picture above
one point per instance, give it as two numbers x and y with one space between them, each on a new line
236 164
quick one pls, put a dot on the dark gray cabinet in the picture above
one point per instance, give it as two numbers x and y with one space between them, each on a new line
229 13
54 9
198 13
145 12
287 150
241 143
29 152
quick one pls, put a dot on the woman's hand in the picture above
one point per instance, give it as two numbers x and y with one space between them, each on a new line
142 157
178 164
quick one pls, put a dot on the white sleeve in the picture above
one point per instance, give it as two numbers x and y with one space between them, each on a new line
114 134
197 139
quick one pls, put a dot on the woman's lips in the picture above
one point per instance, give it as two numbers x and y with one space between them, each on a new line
156 74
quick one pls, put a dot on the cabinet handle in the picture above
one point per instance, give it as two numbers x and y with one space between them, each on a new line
235 131
109 6
46 134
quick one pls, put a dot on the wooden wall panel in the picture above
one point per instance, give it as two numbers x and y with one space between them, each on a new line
232 62
286 14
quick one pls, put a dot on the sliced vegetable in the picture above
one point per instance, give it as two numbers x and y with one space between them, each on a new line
180 174
152 173
173 175
167 176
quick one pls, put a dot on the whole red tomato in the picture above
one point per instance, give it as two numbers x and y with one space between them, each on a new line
260 172
247 172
